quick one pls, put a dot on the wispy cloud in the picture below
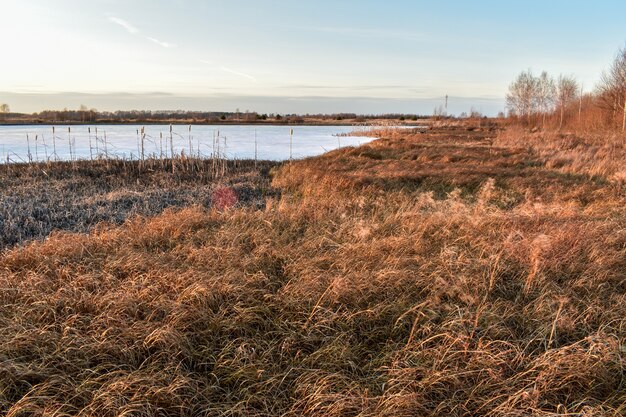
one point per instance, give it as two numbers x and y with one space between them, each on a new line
349 87
161 43
130 28
240 74
372 33
123 23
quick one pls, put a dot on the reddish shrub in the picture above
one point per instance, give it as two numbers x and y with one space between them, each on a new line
224 197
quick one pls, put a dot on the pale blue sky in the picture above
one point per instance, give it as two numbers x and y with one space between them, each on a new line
295 56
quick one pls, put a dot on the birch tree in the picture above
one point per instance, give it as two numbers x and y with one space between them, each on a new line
611 90
545 94
521 99
566 93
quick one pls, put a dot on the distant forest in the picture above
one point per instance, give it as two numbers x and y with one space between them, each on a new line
85 115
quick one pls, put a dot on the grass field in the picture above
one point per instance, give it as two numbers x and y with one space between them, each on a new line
454 272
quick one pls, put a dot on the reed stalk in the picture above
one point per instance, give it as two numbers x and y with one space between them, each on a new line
30 156
106 150
172 146
190 141
143 140
90 148
45 147
54 144
69 140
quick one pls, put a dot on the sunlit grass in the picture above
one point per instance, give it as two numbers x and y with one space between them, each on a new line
422 274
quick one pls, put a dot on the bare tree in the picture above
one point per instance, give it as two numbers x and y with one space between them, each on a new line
521 99
546 92
4 108
611 90
566 93
439 112
83 110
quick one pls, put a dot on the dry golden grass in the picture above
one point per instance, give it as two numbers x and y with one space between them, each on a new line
424 274
597 154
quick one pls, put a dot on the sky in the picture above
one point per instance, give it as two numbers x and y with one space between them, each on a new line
287 56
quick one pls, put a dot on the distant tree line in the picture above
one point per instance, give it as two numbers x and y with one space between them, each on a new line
533 99
87 115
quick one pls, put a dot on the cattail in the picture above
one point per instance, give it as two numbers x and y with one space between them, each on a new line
137 142
143 138
172 146
171 141
190 148
69 139
54 144
45 147
217 142
213 155
161 144
90 148
106 151
30 157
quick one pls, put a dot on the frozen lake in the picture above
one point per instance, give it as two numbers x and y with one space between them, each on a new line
39 143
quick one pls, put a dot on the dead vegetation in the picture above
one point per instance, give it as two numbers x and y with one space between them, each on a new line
440 273
598 154
36 199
